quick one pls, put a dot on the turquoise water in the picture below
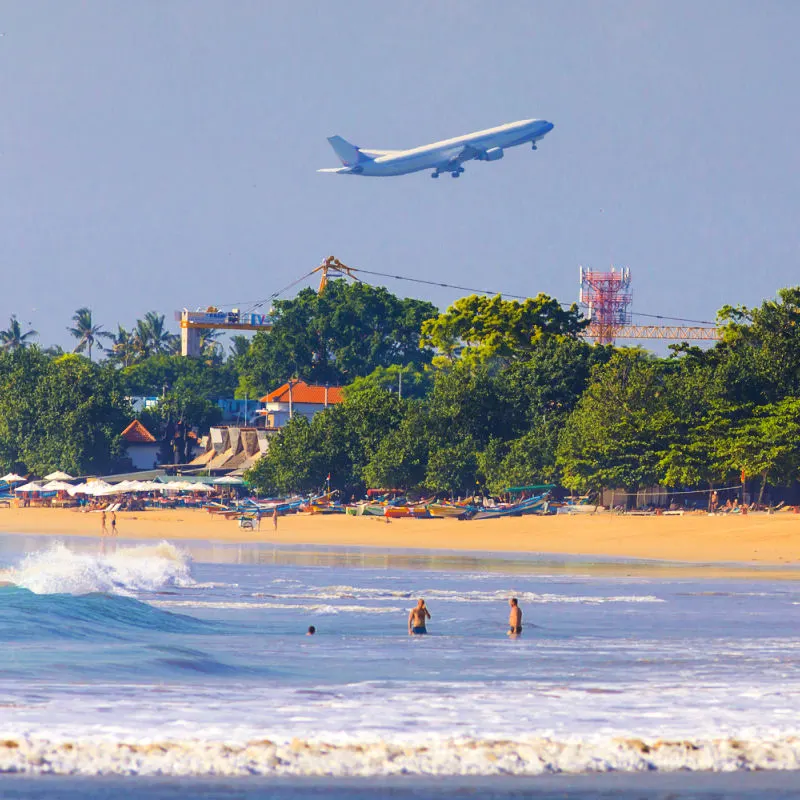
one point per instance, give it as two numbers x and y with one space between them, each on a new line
193 661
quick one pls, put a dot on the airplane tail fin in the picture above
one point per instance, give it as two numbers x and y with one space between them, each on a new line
348 153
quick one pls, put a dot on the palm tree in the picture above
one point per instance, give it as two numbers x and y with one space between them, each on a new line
86 333
124 347
240 345
209 346
152 337
14 338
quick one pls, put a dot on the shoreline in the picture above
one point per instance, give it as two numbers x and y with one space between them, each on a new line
765 546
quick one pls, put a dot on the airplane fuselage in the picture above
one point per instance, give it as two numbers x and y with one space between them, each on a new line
447 155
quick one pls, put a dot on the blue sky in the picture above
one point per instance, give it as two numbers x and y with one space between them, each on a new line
157 155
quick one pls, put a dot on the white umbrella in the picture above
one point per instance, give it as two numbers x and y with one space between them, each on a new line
57 486
202 487
12 477
81 488
105 491
94 487
229 480
58 476
33 486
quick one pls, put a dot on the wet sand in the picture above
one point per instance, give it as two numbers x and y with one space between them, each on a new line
716 546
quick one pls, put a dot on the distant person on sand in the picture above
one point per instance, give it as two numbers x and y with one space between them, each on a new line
275 518
416 619
514 618
103 526
113 523
714 501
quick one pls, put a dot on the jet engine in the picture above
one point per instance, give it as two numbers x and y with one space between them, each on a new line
493 154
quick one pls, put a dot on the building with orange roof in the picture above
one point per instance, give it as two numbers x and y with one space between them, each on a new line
141 445
297 397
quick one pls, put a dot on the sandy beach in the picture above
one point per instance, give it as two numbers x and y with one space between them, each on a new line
713 544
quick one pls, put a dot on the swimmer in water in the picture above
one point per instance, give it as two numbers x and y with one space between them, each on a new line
514 618
416 619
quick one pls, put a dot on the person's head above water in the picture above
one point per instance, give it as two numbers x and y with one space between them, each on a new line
311 630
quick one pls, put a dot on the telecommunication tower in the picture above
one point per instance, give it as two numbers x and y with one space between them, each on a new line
606 296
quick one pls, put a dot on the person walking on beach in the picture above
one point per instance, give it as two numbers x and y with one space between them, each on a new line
514 618
416 619
275 518
103 526
113 523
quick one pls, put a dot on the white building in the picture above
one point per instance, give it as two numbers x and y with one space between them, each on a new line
297 397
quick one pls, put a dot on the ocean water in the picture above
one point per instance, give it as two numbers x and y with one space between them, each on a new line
164 663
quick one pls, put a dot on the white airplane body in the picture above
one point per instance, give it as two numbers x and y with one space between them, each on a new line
444 156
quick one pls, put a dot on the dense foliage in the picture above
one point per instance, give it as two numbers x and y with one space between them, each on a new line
488 394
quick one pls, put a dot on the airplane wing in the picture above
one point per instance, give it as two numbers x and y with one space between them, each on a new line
455 157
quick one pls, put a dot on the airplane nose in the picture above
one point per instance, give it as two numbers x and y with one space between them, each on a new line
547 126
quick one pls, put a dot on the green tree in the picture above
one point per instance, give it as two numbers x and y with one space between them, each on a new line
60 413
335 337
406 380
152 337
621 427
86 332
481 329
453 467
400 460
529 459
13 338
124 349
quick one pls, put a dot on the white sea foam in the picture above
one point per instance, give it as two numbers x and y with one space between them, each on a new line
59 570
461 756
372 593
243 606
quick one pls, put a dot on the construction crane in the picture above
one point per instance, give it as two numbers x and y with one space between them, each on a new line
606 300
192 323
605 296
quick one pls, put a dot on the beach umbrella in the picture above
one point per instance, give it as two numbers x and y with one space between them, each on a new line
228 480
81 488
94 487
33 486
12 477
58 476
202 487
57 486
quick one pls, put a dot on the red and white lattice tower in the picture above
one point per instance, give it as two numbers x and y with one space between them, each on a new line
607 299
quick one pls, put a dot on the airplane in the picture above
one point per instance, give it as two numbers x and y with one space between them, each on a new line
445 156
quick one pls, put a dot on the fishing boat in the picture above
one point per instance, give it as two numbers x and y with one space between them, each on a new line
447 511
532 505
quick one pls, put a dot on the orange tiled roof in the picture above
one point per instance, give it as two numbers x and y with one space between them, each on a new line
136 433
303 393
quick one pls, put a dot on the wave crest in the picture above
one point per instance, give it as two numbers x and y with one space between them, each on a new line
127 570
463 756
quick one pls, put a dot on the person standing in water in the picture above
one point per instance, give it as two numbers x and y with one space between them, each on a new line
417 618
514 618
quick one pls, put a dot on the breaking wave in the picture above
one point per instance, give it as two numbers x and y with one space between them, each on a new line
462 756
127 570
